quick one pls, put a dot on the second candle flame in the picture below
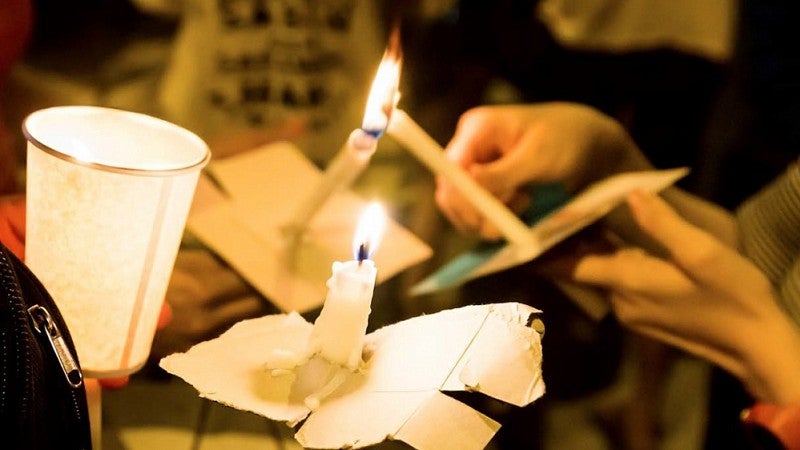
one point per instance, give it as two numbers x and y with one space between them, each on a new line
384 93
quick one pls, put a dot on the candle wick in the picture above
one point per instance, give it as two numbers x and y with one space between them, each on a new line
375 133
363 252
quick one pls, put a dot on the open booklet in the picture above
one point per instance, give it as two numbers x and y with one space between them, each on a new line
564 218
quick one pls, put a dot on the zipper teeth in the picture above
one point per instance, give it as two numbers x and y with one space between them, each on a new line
4 372
12 286
21 352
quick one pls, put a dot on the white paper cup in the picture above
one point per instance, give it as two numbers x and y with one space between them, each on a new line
108 193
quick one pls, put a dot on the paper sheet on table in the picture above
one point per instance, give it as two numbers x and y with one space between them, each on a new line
263 187
397 394
587 207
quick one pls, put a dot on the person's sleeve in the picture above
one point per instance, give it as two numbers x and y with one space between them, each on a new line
773 426
768 225
12 224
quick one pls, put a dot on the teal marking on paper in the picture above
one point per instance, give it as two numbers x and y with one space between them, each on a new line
453 272
544 199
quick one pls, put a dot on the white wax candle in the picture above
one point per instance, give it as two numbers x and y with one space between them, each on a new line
339 330
429 152
340 173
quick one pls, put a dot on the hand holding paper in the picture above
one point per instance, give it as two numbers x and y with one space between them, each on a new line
508 148
584 209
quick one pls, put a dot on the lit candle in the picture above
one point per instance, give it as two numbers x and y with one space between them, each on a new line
355 155
384 113
339 330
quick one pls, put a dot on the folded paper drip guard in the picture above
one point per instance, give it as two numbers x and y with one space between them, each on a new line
396 394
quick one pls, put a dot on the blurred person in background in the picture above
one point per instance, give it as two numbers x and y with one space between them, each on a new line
657 68
16 22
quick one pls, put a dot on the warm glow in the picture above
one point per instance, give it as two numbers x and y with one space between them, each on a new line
369 231
107 196
383 95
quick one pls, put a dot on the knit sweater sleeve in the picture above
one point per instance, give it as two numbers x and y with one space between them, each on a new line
769 229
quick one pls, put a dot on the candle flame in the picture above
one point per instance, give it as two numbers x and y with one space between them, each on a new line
384 94
369 231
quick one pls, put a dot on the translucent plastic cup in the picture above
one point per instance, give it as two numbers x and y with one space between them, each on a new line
108 194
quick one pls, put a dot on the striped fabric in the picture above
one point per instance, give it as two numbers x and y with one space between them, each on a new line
769 227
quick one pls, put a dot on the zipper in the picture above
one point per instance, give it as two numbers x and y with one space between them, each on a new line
43 324
22 351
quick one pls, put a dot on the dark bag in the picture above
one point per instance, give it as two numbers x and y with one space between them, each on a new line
42 397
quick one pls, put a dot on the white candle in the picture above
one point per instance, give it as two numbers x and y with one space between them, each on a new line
429 152
355 155
340 173
339 330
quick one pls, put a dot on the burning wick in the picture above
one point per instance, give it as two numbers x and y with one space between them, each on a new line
339 331
363 252
384 94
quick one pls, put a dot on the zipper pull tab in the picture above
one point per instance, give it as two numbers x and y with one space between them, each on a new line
44 324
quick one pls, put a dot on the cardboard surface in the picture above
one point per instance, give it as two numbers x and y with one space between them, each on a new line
246 229
396 393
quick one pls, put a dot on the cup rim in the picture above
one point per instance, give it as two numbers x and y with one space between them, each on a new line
111 168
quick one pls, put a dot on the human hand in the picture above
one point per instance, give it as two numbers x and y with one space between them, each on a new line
206 297
702 297
506 148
